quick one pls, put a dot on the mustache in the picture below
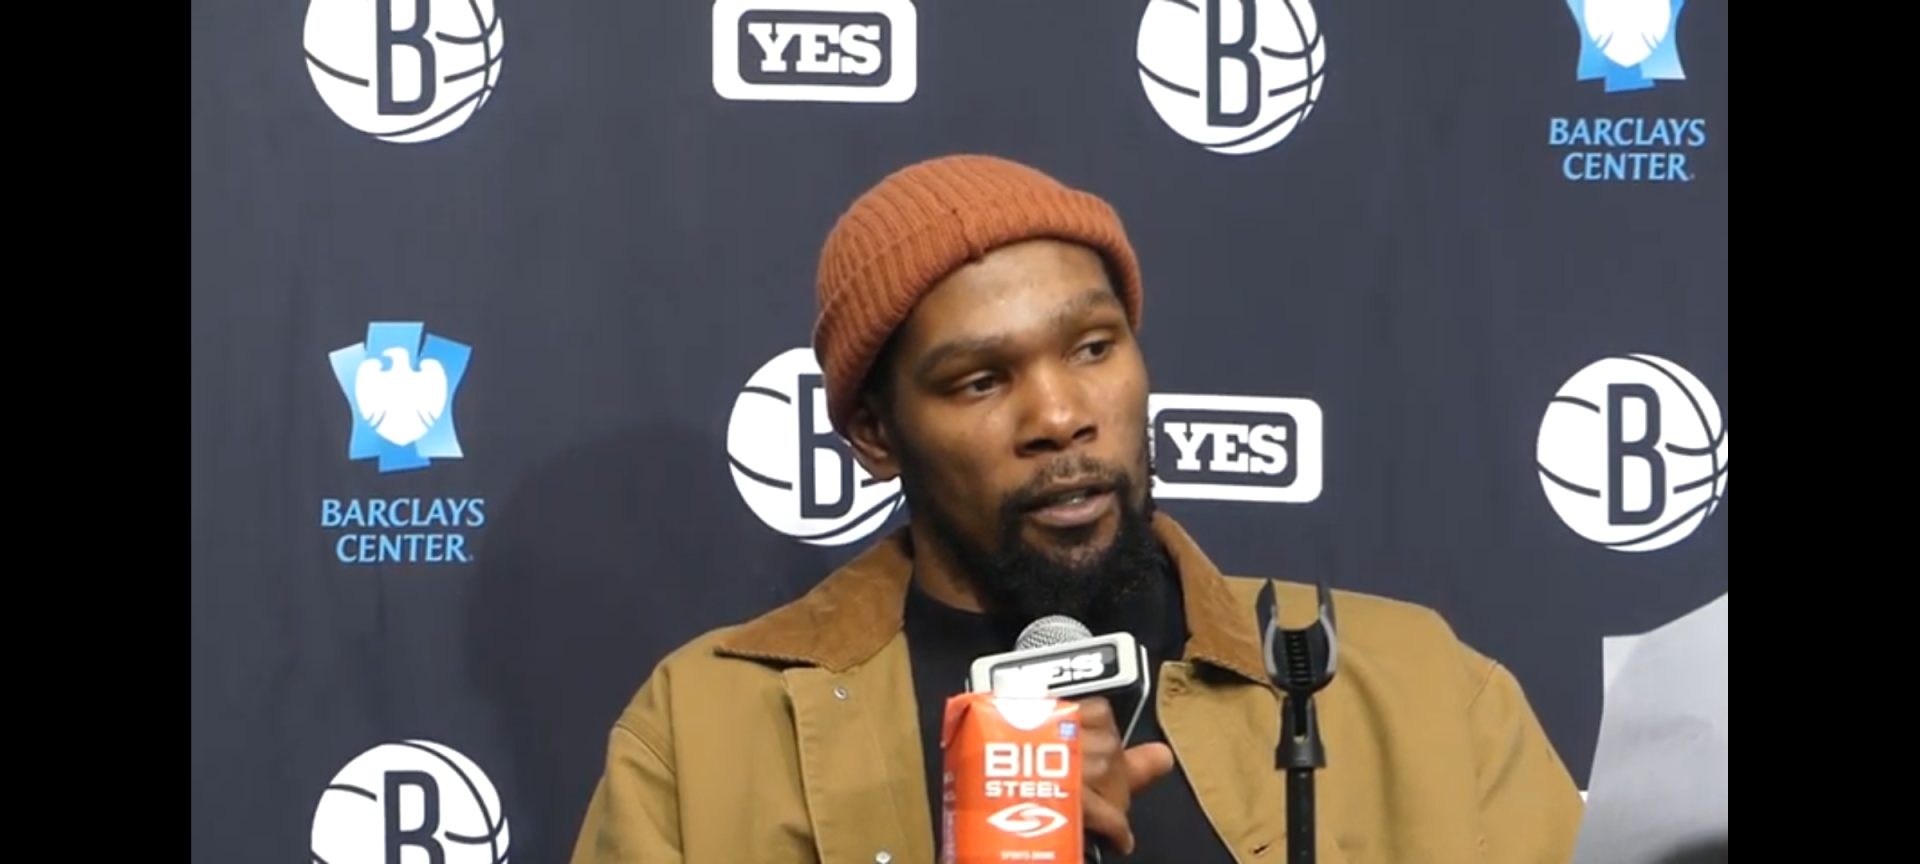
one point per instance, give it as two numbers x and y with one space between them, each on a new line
1082 468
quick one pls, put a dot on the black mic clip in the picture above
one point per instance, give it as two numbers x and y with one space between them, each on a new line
1300 663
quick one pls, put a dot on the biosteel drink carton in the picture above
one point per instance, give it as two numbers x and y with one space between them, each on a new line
1011 785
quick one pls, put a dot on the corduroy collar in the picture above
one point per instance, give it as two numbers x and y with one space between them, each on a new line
852 614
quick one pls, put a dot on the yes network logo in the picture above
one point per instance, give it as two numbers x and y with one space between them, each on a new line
1629 44
400 390
815 50
1236 448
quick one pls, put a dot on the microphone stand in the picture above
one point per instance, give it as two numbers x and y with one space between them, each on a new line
1301 663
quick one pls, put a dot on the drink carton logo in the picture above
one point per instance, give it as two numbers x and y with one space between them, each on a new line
1236 448
1234 76
410 795
815 50
400 391
404 71
1632 453
1027 819
1629 44
792 469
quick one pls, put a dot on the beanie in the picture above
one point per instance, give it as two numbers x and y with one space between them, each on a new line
922 222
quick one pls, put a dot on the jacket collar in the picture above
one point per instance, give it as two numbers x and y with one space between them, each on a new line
857 609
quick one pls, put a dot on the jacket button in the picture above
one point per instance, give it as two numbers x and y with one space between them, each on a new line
840 693
882 858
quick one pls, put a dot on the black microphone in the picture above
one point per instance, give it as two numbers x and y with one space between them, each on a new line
1073 662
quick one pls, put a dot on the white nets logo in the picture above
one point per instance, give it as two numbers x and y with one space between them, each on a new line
815 50
1633 453
796 473
1234 76
410 801
404 71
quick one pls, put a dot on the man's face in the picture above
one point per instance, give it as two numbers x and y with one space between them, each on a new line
1017 420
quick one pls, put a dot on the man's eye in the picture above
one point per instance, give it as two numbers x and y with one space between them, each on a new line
978 384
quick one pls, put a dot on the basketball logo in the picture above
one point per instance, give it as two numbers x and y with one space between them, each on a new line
1234 76
410 793
1632 453
793 471
404 71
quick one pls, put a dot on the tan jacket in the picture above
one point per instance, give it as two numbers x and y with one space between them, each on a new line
794 738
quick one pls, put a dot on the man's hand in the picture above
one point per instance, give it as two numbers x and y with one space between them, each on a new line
1109 777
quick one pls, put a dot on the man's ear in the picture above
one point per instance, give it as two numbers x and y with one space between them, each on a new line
872 442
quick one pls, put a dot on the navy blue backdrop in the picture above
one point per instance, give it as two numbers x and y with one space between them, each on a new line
495 309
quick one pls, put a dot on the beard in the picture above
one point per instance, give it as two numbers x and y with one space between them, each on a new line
1018 581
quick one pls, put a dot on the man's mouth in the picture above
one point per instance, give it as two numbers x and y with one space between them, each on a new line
1073 506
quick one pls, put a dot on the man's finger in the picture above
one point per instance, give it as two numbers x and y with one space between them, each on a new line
1106 820
1099 741
1094 767
1096 713
1147 763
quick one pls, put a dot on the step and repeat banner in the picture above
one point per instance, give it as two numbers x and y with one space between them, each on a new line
501 313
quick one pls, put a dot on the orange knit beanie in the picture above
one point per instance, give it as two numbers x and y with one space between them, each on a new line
923 222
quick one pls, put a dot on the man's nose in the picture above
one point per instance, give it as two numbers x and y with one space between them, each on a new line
1057 414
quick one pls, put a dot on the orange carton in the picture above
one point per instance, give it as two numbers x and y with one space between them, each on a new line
1011 785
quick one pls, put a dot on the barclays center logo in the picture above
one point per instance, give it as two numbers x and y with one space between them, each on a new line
1629 46
399 385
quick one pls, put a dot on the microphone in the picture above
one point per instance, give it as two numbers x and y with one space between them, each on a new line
1073 662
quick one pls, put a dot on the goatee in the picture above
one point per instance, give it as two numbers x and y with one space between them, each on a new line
1019 582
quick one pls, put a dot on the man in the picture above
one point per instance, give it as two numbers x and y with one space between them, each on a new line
977 339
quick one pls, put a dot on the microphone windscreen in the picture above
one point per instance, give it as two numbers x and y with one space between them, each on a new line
1051 630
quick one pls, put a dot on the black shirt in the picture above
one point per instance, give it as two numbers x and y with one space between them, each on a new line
1168 825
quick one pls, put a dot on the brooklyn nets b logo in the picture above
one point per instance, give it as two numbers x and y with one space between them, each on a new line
1234 76
1633 453
410 801
792 469
404 71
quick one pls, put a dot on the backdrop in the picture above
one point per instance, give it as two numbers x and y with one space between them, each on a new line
500 309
